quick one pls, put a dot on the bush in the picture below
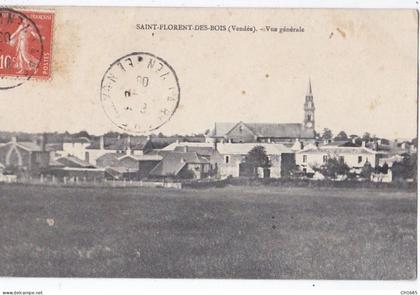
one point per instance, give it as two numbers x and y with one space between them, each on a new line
334 167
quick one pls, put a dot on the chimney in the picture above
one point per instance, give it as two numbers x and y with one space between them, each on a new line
101 143
43 142
363 143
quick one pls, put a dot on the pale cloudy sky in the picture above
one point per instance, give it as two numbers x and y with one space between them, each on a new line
362 65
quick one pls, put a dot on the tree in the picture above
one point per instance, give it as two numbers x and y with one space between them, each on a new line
341 136
334 167
257 158
82 133
407 168
366 136
367 170
327 134
113 134
384 168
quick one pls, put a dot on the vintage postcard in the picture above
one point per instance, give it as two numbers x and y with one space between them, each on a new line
245 143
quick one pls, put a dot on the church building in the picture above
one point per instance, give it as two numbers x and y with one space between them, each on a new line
268 132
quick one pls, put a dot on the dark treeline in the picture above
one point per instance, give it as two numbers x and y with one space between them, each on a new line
58 137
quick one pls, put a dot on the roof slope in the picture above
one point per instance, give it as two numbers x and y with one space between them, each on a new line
160 142
74 162
173 162
29 146
146 157
279 130
108 156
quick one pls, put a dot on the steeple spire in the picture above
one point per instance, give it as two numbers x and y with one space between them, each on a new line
309 108
310 87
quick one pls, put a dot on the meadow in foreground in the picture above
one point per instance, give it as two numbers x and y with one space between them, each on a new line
232 232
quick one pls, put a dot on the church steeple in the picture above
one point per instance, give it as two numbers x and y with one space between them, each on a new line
310 88
309 109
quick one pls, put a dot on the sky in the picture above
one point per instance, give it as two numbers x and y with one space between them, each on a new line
362 65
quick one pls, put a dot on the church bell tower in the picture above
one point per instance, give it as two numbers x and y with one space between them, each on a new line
309 108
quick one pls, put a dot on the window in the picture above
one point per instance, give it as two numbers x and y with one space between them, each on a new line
227 159
304 158
325 158
359 159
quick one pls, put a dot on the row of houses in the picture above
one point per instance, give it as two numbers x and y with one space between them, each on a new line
218 154
138 158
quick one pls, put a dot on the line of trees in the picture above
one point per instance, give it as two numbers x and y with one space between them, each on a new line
327 134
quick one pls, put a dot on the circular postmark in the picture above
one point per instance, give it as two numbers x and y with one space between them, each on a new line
21 48
140 92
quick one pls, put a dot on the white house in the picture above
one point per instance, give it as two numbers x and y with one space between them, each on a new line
75 147
230 155
120 146
354 157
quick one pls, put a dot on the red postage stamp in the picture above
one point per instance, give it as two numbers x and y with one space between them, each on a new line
25 43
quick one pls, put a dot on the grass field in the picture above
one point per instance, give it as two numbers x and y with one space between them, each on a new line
232 232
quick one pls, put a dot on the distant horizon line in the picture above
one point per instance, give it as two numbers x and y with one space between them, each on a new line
122 132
